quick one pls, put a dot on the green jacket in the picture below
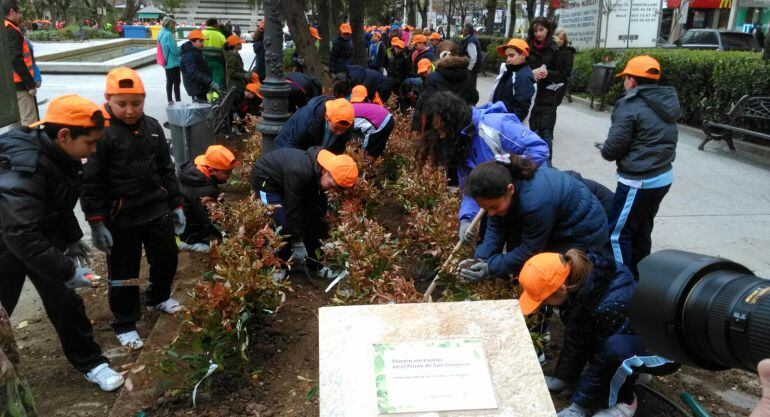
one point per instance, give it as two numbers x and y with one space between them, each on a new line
235 75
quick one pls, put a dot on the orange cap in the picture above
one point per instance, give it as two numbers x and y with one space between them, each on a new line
195 34
359 94
418 39
70 110
254 88
342 167
397 42
124 80
340 111
517 43
643 66
423 66
435 36
346 29
314 33
540 277
217 157
234 39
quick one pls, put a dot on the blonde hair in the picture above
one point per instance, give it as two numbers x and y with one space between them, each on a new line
563 32
580 268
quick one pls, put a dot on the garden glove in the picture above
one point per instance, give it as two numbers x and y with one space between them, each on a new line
78 251
463 234
101 238
473 271
573 410
180 222
83 278
214 86
555 384
299 253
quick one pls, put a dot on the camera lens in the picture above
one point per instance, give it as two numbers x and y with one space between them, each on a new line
702 311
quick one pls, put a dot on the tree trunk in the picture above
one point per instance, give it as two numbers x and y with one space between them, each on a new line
449 19
491 6
324 18
531 5
542 8
294 13
356 8
422 6
411 14
512 18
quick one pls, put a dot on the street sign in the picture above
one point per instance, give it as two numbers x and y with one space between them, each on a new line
9 107
580 18
632 24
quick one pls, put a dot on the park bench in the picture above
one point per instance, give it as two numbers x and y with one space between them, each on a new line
748 107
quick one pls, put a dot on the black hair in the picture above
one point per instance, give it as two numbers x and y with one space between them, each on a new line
456 122
212 22
228 47
9 5
470 28
341 86
491 179
52 129
645 81
542 21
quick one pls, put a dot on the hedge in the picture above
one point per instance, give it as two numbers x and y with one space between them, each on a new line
68 32
703 79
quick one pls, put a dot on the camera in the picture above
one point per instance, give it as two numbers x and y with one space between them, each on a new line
702 311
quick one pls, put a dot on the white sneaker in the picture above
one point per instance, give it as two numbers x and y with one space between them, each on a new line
195 247
169 306
130 340
619 410
107 379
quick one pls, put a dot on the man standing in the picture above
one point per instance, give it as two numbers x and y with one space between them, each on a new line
471 48
22 62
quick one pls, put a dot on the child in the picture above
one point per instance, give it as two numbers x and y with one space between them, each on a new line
642 140
421 51
302 87
236 77
399 66
252 99
515 86
375 123
451 74
196 73
131 200
325 122
424 68
199 183
39 234
341 53
359 95
294 181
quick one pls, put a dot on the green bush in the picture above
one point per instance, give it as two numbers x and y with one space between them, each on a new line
703 79
45 35
68 33
288 65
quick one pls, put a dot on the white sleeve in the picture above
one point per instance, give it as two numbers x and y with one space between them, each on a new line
472 55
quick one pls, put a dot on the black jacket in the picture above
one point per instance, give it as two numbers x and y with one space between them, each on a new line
515 87
415 57
564 59
16 51
340 55
39 186
259 57
400 67
195 71
472 38
307 127
452 75
130 180
302 87
194 185
373 81
294 174
548 57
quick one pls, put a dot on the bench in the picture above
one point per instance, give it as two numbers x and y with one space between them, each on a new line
748 107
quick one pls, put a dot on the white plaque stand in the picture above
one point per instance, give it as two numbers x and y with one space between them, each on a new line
352 338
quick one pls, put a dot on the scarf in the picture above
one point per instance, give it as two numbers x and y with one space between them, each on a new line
539 45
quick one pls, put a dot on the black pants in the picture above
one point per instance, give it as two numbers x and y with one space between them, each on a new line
375 143
160 247
474 78
547 135
173 80
63 306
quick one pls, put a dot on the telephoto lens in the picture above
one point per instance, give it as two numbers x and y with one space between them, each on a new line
702 311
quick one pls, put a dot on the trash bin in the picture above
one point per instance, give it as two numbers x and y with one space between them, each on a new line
183 31
600 81
191 132
134 32
154 31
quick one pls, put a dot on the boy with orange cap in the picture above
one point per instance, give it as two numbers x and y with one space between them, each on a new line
294 181
131 200
515 86
642 140
40 174
196 73
434 39
199 184
421 51
324 121
235 76
341 53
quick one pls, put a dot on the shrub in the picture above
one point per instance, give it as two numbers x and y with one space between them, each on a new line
68 33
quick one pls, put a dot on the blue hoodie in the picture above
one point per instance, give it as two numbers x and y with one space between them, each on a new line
496 126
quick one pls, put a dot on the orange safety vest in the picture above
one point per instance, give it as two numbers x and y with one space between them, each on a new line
25 53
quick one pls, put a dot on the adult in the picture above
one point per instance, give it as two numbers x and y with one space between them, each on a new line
564 60
758 35
766 52
542 60
530 210
214 40
167 41
196 73
212 35
593 293
341 54
259 51
22 62
471 47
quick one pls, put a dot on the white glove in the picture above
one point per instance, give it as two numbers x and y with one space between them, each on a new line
83 278
573 410
299 253
180 222
78 251
101 238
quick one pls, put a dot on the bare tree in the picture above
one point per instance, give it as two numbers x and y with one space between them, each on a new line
512 25
294 13
491 6
422 7
411 13
356 8
531 4
324 31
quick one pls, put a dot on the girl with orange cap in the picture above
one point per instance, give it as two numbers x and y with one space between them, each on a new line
592 292
515 86
341 54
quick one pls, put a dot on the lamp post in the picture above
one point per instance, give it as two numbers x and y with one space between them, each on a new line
274 90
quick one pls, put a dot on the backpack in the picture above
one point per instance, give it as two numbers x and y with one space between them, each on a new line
159 57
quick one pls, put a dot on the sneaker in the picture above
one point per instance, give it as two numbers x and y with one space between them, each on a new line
169 306
619 410
195 247
556 385
541 357
130 340
573 410
107 379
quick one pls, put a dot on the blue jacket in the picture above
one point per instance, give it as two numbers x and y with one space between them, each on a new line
308 127
551 212
369 78
495 125
597 311
516 88
196 73
170 49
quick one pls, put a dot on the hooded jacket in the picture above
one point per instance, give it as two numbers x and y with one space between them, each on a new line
235 75
194 185
167 42
516 89
293 174
341 54
400 67
302 87
452 74
552 212
607 291
130 180
308 127
373 81
39 187
418 56
497 132
196 73
643 136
